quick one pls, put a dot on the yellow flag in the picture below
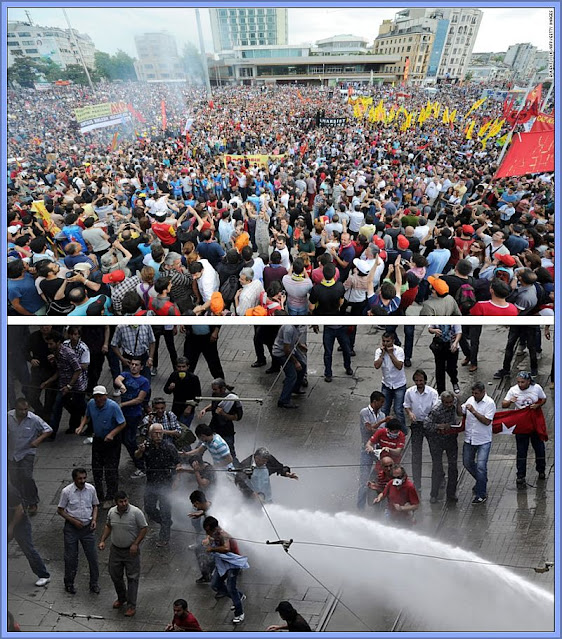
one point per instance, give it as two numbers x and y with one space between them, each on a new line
470 129
436 109
391 115
445 119
452 116
483 129
475 106
501 141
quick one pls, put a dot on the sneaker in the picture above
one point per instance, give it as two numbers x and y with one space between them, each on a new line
465 362
203 580
328 378
130 612
88 440
500 374
221 595
408 363
478 500
534 372
43 581
153 372
138 474
238 619
433 500
242 599
352 353
456 388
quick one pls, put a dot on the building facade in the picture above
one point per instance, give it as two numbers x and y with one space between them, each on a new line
440 41
342 45
158 59
256 26
522 59
48 43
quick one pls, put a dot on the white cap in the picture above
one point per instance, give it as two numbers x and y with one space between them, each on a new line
99 390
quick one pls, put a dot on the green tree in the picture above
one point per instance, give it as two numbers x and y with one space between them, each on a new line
24 71
103 64
76 73
115 67
192 63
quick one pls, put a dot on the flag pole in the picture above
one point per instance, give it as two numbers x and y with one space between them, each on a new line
543 105
75 40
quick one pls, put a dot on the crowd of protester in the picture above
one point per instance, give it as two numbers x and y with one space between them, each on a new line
361 218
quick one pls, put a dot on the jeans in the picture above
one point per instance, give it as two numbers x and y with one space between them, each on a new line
522 442
75 404
87 537
22 535
21 475
121 560
365 468
396 396
297 311
130 439
329 337
197 345
105 461
445 362
515 334
416 444
475 460
43 409
227 585
293 379
158 507
438 444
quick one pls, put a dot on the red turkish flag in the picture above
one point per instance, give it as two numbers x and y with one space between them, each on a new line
543 122
524 421
529 153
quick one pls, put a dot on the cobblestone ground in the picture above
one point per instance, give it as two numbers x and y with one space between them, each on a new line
320 442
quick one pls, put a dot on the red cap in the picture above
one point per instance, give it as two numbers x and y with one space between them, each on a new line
403 242
506 259
467 229
114 277
378 241
382 255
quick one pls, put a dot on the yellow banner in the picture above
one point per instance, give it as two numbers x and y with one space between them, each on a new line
260 160
99 110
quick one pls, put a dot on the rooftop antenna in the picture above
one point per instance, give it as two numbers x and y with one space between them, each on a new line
28 17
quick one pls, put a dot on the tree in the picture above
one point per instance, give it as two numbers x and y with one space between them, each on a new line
115 67
24 71
468 77
75 73
192 64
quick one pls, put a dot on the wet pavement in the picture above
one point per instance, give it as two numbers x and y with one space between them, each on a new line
320 441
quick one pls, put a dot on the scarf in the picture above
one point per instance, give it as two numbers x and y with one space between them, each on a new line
328 282
298 278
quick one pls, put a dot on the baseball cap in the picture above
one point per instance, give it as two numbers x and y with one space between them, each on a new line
99 390
82 266
97 306
362 265
403 242
217 303
114 277
13 229
467 229
438 284
506 259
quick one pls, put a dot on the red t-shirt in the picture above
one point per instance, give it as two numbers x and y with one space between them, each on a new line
489 308
188 622
165 232
317 275
401 495
380 439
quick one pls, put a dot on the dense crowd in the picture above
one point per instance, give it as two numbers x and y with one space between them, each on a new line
248 205
153 419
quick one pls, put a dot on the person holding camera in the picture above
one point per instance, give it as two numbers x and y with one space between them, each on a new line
161 460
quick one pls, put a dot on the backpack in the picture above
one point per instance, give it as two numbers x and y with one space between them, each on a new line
228 289
270 305
465 297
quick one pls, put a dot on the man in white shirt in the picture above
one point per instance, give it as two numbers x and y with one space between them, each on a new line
479 411
78 506
391 359
207 282
418 402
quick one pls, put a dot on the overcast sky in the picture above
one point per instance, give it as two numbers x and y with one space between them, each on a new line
114 28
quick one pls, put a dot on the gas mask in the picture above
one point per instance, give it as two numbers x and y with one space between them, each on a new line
398 481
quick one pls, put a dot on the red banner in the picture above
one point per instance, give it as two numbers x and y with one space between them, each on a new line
523 421
164 118
531 152
543 122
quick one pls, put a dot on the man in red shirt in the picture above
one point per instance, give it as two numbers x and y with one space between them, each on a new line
498 305
183 620
402 497
165 230
390 440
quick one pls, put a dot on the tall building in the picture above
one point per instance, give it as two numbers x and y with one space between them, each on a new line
264 26
522 59
438 42
48 43
158 59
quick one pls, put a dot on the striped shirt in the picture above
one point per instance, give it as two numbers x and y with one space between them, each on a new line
83 353
67 364
218 448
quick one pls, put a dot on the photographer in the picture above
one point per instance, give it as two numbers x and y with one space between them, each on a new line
161 459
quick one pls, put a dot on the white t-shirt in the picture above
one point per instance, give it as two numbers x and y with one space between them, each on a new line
524 398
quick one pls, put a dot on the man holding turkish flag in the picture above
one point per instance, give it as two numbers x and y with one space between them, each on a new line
527 422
